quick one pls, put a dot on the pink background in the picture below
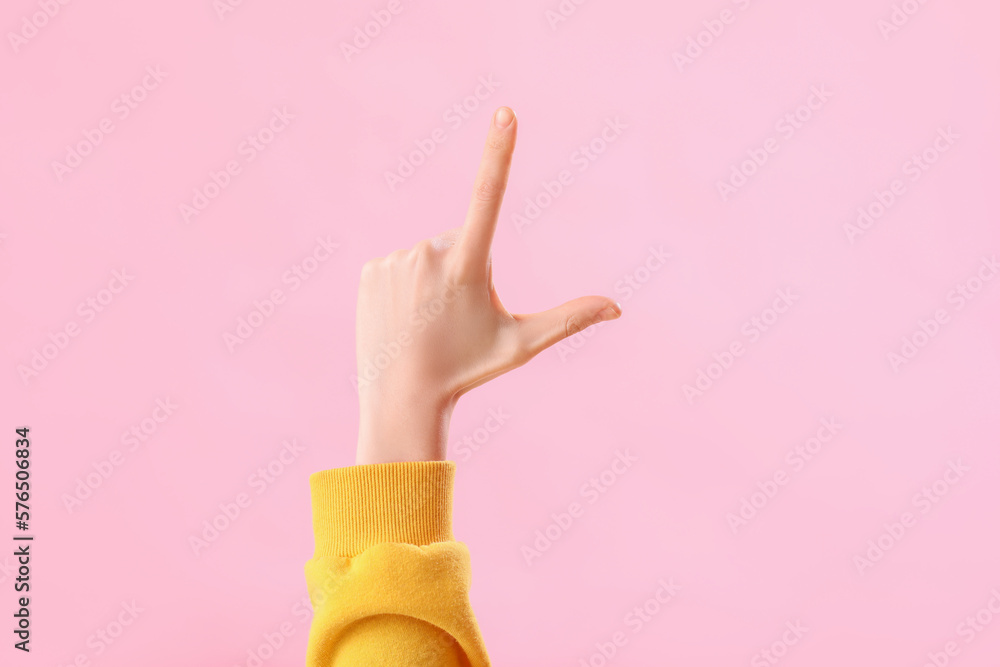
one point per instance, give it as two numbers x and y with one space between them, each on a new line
162 335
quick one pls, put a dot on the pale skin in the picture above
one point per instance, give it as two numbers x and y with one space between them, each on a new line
430 325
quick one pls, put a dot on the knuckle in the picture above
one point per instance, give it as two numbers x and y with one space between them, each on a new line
486 191
574 325
424 249
425 255
370 268
396 256
447 239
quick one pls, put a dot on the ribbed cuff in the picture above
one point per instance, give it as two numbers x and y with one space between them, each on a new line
363 505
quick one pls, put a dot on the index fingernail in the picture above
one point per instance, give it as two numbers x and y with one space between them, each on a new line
503 117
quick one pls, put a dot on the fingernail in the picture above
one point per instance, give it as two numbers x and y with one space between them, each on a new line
610 313
503 117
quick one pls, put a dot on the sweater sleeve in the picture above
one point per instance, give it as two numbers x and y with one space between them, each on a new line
389 585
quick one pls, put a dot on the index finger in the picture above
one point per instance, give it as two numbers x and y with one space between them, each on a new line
487 193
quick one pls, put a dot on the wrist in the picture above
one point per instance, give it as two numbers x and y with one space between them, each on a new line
407 429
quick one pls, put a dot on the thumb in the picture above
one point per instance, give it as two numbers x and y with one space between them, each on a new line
541 330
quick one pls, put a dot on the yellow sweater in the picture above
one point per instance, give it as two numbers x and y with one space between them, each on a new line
389 584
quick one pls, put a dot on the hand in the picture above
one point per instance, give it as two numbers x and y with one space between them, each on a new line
430 325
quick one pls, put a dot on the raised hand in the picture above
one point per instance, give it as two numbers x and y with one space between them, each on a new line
430 325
